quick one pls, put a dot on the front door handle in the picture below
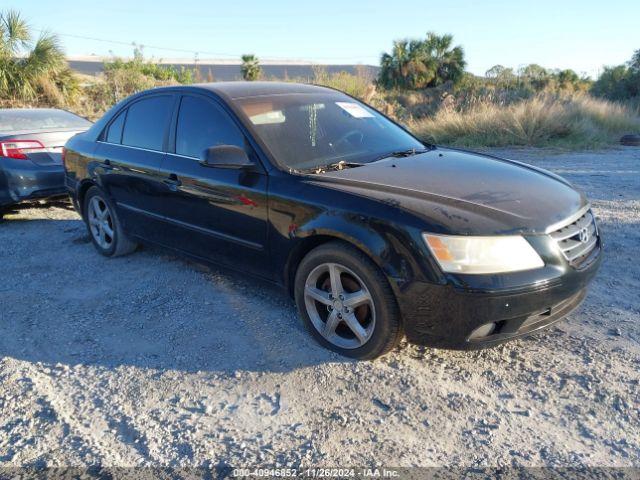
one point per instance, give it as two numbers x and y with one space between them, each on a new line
173 182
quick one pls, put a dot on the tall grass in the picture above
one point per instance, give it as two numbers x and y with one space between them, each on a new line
359 85
578 121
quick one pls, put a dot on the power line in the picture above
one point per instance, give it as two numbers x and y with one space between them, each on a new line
195 53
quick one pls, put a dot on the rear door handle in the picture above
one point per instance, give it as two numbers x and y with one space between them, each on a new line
173 182
106 165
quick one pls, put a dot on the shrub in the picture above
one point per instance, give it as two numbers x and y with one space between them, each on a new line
576 122
151 69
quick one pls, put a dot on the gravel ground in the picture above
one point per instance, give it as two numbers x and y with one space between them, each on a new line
152 360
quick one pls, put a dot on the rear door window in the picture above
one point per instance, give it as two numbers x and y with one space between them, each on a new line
203 124
114 134
146 122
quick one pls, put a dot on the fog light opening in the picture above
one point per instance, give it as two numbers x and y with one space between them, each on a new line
483 331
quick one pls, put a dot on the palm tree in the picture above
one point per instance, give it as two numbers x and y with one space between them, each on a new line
27 68
422 63
250 67
406 66
448 61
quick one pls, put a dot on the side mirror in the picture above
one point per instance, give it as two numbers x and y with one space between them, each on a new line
225 156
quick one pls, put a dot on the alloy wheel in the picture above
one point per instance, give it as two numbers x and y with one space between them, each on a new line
100 222
339 305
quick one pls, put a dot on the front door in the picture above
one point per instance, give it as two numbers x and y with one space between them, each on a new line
219 214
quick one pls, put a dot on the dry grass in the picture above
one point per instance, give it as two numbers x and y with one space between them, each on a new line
359 85
573 122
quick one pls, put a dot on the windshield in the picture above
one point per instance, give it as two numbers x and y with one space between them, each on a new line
39 119
305 131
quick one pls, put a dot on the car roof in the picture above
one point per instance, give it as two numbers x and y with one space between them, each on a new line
243 89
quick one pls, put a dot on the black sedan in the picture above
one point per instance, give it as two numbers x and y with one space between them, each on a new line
376 234
31 142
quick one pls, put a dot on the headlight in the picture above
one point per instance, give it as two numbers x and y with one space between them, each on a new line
476 255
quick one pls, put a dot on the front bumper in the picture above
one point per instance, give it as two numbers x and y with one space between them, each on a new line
24 180
446 315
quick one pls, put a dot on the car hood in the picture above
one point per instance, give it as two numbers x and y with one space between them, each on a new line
464 193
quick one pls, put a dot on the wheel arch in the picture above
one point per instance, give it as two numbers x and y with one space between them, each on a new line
310 242
84 187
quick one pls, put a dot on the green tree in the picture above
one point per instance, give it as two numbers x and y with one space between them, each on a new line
502 77
250 67
634 63
425 63
405 66
31 68
447 60
617 83
567 78
496 71
621 82
535 75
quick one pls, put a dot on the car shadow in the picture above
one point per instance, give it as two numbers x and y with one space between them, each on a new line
11 211
61 303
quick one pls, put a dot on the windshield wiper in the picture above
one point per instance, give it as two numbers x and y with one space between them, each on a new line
341 165
402 153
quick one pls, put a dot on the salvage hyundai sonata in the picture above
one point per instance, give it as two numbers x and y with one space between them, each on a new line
376 234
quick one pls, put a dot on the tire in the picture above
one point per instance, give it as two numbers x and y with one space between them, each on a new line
366 299
107 234
630 140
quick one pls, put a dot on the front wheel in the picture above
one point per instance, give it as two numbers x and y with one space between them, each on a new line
346 302
104 227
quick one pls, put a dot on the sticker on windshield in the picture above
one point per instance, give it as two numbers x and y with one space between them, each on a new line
354 110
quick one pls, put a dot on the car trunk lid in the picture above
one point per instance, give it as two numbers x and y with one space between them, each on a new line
52 142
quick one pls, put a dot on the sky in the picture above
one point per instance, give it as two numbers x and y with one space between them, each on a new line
582 35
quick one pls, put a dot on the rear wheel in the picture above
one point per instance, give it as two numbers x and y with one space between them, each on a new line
346 302
104 227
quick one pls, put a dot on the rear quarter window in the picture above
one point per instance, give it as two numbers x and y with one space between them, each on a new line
147 121
114 133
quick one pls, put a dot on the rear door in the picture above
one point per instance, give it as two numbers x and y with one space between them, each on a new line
216 213
130 154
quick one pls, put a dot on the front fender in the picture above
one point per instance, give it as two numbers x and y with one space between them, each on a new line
393 249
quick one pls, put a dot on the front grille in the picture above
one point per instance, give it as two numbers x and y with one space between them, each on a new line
577 239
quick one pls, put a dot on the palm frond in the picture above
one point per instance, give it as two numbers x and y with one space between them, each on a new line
14 33
45 57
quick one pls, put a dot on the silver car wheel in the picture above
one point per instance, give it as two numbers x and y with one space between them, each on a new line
339 305
100 222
